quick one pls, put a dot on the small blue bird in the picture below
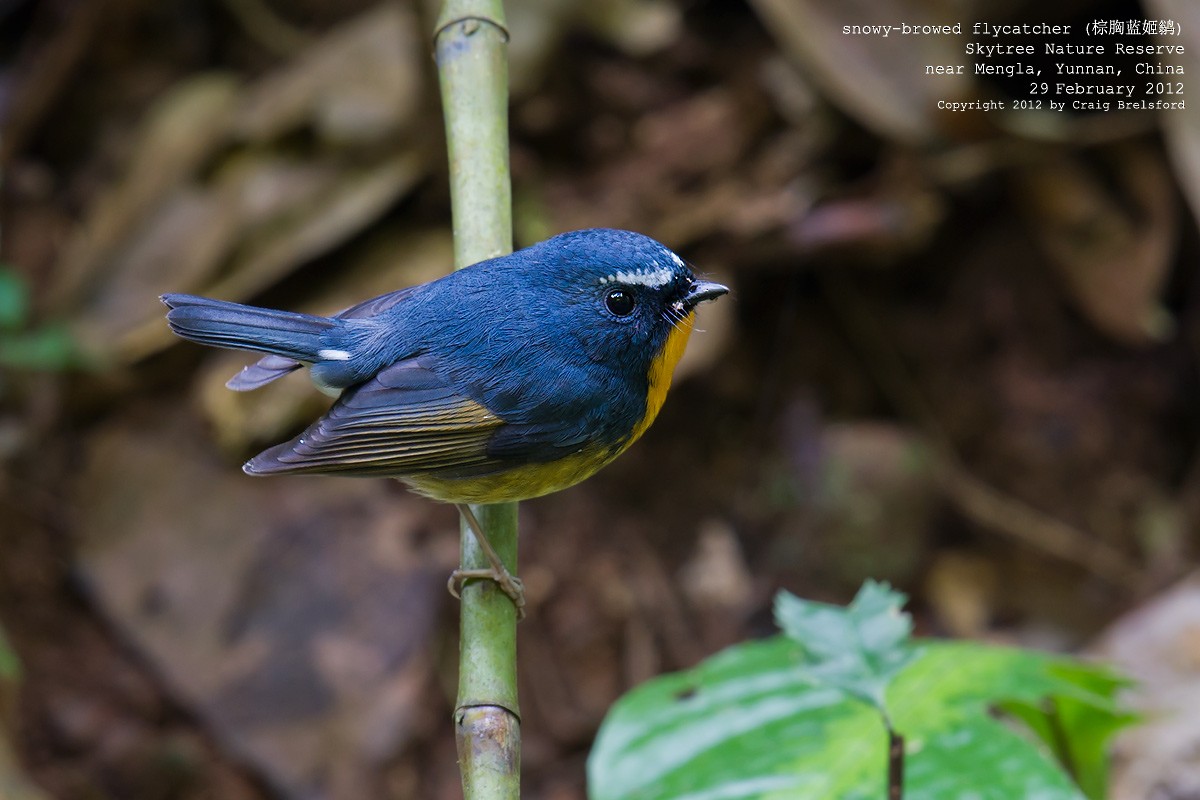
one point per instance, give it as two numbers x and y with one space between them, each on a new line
509 379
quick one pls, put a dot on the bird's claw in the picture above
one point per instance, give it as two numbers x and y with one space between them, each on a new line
510 584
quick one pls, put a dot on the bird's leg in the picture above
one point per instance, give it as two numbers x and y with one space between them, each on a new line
509 584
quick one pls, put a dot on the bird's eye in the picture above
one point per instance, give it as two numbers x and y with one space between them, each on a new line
620 302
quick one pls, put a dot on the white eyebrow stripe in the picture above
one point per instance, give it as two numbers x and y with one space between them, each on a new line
654 278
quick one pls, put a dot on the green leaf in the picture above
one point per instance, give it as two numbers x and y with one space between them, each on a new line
858 649
14 299
10 668
747 724
49 348
1077 733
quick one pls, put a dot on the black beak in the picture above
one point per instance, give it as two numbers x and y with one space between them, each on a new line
701 291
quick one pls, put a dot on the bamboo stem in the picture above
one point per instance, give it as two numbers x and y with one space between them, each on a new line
470 40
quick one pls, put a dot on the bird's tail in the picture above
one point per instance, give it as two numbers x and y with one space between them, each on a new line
222 324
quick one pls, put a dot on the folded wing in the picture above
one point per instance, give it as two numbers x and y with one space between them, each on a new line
403 421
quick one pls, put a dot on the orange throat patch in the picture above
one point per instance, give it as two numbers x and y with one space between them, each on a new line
661 370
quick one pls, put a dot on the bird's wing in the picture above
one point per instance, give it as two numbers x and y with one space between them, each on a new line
404 420
269 368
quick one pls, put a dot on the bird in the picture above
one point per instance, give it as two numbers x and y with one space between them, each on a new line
509 379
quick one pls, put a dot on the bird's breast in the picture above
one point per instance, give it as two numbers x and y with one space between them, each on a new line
661 370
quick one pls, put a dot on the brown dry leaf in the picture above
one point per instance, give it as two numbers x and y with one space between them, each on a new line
1113 253
178 136
680 171
360 84
295 617
716 576
1158 646
639 27
188 212
315 224
962 590
244 422
186 236
898 214
1182 127
13 784
274 214
537 29
880 81
180 245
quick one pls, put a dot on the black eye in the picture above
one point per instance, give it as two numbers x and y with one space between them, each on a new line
620 302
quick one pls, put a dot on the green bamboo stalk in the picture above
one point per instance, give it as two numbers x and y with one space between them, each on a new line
471 43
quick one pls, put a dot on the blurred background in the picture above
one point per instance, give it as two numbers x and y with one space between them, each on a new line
960 355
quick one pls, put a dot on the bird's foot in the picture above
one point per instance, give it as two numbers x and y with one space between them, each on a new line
510 584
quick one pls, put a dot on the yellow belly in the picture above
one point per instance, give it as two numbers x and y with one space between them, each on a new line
534 480
519 483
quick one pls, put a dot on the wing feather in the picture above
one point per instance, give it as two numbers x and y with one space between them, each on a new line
405 420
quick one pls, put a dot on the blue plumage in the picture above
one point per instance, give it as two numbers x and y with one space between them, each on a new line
513 377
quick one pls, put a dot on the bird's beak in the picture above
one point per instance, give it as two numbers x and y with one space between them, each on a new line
701 291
